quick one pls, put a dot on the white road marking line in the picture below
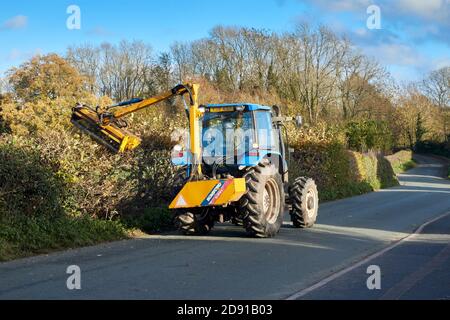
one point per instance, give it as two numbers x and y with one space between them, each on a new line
375 255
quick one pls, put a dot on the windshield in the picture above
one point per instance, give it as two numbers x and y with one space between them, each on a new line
226 135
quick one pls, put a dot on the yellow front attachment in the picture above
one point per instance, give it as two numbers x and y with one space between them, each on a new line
110 135
209 193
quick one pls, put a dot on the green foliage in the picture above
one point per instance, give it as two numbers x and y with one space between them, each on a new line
151 220
403 167
420 129
321 153
21 235
367 135
373 169
36 207
441 149
28 184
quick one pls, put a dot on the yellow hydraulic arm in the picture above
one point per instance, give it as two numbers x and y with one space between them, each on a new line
106 127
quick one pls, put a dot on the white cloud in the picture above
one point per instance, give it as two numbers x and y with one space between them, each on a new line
439 63
396 54
98 31
429 10
17 22
17 55
342 5
423 8
14 54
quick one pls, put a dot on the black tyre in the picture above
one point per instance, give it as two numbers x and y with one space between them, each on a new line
189 223
237 221
305 203
263 204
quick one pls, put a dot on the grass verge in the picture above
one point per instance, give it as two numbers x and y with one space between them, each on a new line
22 236
403 167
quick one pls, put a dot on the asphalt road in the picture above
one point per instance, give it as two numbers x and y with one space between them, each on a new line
228 265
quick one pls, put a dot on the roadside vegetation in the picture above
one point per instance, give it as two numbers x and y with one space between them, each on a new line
401 161
59 189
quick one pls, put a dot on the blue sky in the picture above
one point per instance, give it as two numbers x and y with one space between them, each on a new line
414 38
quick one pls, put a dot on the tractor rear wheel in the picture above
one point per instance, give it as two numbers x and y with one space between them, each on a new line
189 223
263 204
305 202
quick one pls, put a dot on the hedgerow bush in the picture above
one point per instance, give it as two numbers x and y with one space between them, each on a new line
374 169
321 153
98 183
28 184
369 135
38 206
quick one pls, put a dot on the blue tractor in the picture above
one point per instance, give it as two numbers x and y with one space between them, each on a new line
246 141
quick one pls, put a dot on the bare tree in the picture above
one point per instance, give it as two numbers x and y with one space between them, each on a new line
317 71
120 72
86 59
319 52
359 79
437 87
182 58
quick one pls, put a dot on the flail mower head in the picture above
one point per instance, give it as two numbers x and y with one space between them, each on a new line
104 129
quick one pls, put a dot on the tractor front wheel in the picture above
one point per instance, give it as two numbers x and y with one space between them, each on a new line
189 223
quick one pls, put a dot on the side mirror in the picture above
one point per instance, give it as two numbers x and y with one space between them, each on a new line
298 121
277 111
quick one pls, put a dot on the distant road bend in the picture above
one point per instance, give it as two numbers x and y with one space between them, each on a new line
326 262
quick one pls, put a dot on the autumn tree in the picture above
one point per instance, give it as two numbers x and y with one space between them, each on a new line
49 77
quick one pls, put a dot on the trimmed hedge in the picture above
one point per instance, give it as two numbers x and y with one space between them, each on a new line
322 154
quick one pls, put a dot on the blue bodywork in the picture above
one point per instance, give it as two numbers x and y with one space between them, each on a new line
261 121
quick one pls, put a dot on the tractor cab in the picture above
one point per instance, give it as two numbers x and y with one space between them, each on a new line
236 136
